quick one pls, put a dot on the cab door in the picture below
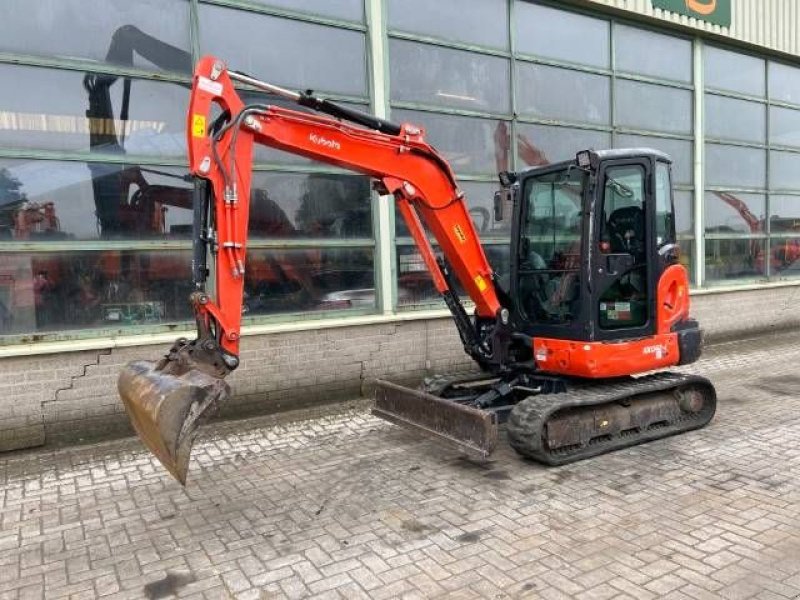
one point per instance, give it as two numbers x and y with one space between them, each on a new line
622 258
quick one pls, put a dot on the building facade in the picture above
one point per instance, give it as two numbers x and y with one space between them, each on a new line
95 213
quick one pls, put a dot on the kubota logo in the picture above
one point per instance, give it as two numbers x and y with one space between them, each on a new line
321 140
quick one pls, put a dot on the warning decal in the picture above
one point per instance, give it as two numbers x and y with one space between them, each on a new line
198 125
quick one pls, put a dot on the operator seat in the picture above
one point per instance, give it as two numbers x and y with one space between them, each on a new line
626 232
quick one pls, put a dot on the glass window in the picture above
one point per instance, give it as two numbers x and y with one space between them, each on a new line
734 72
285 281
652 107
482 22
784 83
313 64
679 150
684 212
148 34
313 205
734 259
448 77
414 283
734 212
544 144
550 250
67 200
784 214
653 54
45 291
561 35
735 166
732 119
471 145
86 113
784 258
480 199
784 126
783 170
664 214
351 10
563 95
686 257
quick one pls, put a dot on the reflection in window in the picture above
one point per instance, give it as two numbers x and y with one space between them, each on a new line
352 10
783 171
69 200
734 212
108 289
653 107
560 94
147 34
784 214
315 205
312 65
784 83
448 77
733 119
551 33
733 259
645 52
664 213
544 144
86 113
784 126
308 280
784 257
471 145
684 212
734 72
482 22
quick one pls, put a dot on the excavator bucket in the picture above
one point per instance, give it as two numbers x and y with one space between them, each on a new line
166 409
460 425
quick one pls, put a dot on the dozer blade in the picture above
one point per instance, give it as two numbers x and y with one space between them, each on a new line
166 410
464 426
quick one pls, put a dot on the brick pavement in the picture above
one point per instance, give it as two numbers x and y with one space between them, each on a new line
343 505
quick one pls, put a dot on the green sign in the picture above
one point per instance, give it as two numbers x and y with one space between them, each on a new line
713 11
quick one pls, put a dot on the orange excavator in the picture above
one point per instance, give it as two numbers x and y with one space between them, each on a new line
596 297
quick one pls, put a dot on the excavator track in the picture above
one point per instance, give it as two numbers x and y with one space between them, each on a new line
594 418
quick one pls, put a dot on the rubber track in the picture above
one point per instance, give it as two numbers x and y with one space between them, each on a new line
528 418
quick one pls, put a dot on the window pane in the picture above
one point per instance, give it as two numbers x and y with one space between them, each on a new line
728 260
447 77
313 64
664 213
69 200
784 214
684 213
783 170
784 83
653 107
148 34
731 119
686 257
482 22
561 35
559 94
734 72
784 258
679 150
292 281
735 166
545 144
315 205
734 212
480 199
352 10
32 116
80 290
471 145
648 53
784 126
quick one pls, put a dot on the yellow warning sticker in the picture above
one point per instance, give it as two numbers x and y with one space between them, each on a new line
198 125
481 283
460 235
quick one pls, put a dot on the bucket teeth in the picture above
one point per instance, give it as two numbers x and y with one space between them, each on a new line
166 410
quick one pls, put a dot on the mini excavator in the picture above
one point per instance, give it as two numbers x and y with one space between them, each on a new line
572 345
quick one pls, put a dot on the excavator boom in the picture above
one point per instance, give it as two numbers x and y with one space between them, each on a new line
166 401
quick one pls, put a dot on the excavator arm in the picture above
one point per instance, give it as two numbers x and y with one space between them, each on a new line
167 400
